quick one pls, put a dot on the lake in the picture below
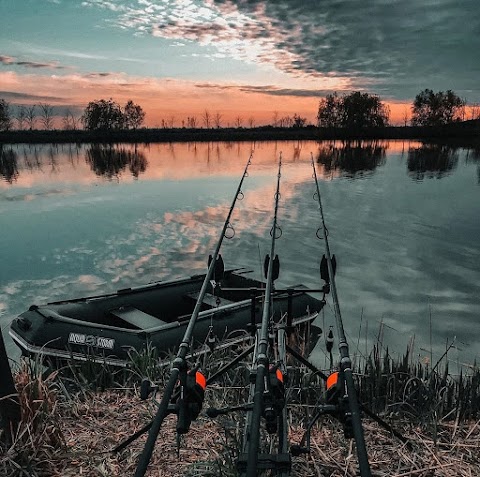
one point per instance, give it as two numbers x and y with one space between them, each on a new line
403 221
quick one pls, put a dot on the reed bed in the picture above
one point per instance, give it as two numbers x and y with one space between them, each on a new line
71 421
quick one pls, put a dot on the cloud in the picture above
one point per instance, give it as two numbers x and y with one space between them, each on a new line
396 46
6 60
393 47
22 97
9 60
167 98
99 75
267 89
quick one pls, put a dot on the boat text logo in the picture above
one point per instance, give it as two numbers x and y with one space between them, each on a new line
90 340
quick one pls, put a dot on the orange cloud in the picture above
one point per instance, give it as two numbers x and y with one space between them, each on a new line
174 100
163 98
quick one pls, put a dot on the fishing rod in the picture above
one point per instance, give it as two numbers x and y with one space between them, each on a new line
345 361
258 387
179 365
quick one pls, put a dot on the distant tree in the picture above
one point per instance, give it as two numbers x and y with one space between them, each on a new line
463 112
75 121
133 115
21 117
238 121
103 115
207 119
70 121
31 117
354 110
405 117
330 111
192 122
251 122
171 121
475 111
46 116
66 120
435 109
282 122
5 118
217 120
363 110
275 119
298 122
285 122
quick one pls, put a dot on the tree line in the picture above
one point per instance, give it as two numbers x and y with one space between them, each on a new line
362 110
349 111
98 115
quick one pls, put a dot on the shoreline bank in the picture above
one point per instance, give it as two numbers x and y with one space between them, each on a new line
467 132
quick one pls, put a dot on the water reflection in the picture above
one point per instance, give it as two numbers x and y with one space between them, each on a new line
110 160
390 240
431 161
28 165
473 155
8 164
351 159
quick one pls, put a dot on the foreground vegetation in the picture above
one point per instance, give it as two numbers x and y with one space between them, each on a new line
71 421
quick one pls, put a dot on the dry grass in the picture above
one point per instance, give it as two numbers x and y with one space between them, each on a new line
78 435
39 438
66 433
96 424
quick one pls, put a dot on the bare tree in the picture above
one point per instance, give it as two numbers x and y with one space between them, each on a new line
251 122
67 125
31 117
192 122
218 120
70 121
285 122
75 122
298 121
475 111
207 119
405 116
21 117
238 121
46 111
275 119
171 121
463 112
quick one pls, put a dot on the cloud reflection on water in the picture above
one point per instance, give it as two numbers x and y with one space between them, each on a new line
387 229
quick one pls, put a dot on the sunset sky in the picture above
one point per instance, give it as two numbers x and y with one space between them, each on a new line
241 58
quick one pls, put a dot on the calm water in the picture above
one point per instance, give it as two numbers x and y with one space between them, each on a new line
403 221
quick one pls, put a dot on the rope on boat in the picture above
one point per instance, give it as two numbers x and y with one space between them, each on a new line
345 361
179 365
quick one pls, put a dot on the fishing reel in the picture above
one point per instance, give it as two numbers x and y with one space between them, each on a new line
274 398
336 405
336 396
187 400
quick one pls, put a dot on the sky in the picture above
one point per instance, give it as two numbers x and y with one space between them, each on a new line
243 59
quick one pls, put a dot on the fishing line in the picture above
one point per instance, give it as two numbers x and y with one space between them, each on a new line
179 365
345 361
252 440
